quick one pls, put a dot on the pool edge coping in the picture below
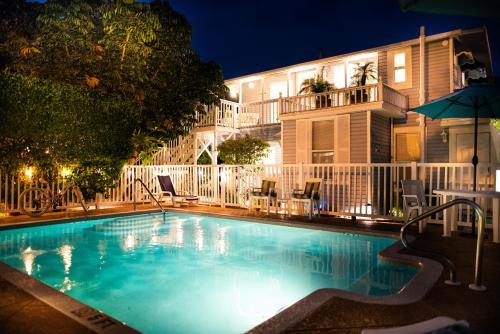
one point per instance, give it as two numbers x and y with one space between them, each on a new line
427 275
84 314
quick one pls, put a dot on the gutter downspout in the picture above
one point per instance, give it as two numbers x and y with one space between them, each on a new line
422 94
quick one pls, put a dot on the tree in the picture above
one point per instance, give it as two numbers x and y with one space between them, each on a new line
142 51
246 150
88 83
49 125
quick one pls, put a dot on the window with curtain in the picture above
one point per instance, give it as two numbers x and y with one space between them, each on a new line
323 141
407 147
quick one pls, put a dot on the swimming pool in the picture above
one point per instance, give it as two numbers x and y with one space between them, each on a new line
186 273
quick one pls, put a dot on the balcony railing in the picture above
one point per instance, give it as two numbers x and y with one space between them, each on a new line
344 97
234 115
223 115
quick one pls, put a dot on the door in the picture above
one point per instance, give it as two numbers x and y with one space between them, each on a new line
465 147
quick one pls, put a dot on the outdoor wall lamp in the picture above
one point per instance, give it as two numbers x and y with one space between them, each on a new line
444 135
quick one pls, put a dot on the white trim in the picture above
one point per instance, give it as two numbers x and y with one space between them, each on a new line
451 60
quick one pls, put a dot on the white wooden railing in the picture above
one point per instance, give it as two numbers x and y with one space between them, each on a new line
224 114
370 190
336 98
234 115
392 96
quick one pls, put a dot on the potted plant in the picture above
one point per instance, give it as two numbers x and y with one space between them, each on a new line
362 73
318 85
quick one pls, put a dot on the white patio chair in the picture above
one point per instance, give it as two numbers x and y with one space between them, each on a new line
414 201
433 325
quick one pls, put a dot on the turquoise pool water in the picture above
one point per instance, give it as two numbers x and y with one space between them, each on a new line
197 274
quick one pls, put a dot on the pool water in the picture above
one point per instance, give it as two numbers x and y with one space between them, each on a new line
186 273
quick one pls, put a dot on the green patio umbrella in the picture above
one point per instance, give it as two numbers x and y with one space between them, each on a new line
483 8
474 101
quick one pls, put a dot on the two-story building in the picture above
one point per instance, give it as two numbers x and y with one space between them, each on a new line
360 120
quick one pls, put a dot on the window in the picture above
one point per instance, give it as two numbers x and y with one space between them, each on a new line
339 76
399 67
407 147
300 77
465 147
323 141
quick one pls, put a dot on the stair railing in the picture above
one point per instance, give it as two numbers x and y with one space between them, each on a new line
150 194
477 285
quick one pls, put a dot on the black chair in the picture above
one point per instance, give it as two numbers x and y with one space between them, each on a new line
167 189
309 196
267 192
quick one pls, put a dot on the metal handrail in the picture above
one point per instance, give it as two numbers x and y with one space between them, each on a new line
477 285
150 194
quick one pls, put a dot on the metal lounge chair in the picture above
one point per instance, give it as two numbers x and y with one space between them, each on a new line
267 192
168 190
309 196
414 201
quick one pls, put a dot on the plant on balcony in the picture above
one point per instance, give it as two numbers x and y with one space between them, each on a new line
362 73
318 85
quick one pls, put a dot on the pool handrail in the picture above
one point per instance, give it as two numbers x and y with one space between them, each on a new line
477 285
150 194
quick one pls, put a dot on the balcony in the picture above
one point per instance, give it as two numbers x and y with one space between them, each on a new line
379 98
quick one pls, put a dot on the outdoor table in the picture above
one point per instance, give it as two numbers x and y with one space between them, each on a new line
449 221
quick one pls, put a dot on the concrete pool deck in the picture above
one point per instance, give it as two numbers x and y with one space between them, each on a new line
21 312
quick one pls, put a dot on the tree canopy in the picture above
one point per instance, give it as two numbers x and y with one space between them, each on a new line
141 51
90 82
49 125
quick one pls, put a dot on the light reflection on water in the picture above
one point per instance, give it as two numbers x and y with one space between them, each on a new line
220 272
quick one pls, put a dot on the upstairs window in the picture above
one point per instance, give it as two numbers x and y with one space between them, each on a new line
399 67
399 72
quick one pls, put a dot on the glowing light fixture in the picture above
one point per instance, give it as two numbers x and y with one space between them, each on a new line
444 136
251 85
28 172
66 171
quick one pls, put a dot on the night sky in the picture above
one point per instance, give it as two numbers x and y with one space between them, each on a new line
251 36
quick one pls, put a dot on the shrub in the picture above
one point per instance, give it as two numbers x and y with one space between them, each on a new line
243 150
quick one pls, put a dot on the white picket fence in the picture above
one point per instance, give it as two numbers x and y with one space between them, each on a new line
370 190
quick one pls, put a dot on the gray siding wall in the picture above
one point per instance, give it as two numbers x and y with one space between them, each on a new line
437 78
288 145
438 84
380 138
359 137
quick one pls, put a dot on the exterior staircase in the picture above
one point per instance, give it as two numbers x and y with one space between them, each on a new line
220 119
180 151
